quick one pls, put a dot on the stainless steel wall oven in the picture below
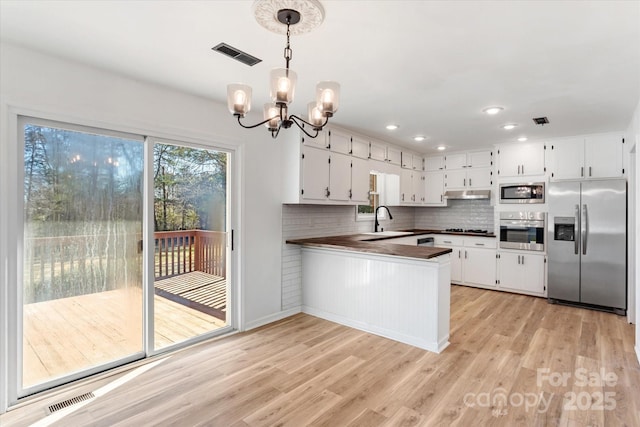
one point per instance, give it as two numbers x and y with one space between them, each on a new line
522 230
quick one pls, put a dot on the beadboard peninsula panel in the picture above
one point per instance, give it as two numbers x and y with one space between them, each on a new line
404 299
301 221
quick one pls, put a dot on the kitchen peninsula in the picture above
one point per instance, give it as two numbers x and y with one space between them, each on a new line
370 283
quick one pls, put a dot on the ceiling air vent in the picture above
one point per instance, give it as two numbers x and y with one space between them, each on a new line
541 120
236 54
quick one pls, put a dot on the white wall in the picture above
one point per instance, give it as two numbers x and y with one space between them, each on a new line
40 85
632 142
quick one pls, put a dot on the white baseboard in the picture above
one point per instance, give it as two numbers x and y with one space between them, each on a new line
271 318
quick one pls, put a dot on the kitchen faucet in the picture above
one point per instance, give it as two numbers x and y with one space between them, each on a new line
376 223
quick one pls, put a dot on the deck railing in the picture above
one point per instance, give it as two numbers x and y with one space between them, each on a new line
56 267
179 252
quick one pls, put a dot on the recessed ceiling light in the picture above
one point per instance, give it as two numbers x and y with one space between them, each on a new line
492 110
522 138
509 126
441 147
392 127
418 138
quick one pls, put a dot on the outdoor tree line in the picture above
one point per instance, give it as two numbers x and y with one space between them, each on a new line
83 207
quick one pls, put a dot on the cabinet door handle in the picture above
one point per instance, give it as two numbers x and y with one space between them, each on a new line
518 169
441 198
464 182
469 182
327 192
479 244
403 197
522 169
589 170
465 254
458 253
518 259
446 241
581 170
522 259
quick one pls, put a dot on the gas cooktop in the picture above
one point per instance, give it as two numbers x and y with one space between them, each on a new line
460 230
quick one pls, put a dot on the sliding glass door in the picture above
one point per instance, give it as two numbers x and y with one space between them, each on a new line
122 250
81 291
190 270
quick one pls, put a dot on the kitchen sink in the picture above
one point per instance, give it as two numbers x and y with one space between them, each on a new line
389 233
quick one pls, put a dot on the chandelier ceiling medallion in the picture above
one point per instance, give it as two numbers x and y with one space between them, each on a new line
287 17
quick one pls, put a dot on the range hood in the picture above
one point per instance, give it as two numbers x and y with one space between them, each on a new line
467 194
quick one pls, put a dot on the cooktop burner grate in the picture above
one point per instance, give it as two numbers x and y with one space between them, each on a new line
460 230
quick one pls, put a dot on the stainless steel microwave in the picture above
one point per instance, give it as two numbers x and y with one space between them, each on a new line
532 192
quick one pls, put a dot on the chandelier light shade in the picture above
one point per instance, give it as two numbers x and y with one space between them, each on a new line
271 116
315 115
239 99
328 97
282 83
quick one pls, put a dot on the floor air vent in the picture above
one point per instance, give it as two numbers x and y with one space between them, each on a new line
236 54
70 402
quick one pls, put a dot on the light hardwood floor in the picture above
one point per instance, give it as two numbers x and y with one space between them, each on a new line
307 371
69 334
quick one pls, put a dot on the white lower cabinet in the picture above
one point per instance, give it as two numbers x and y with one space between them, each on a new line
473 259
522 272
479 267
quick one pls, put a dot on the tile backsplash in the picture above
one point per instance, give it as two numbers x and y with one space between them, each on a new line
466 214
301 221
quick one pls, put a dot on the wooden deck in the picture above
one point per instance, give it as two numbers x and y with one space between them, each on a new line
201 291
76 333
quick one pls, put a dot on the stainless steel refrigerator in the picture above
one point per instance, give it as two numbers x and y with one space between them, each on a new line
587 243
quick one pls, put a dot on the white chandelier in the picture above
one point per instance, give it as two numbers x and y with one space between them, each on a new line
283 81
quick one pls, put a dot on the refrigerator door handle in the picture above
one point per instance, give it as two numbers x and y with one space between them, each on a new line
576 227
585 229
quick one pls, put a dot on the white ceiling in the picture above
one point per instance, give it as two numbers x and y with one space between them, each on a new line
429 66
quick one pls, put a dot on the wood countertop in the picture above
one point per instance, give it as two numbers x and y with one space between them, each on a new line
376 244
372 244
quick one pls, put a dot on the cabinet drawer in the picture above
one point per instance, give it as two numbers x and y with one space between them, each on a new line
440 240
480 242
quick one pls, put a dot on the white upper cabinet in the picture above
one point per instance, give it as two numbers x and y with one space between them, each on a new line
340 177
339 142
455 161
321 141
521 159
315 173
471 159
479 159
603 156
590 157
360 172
455 179
411 161
434 188
360 148
378 152
566 159
479 178
434 163
394 156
